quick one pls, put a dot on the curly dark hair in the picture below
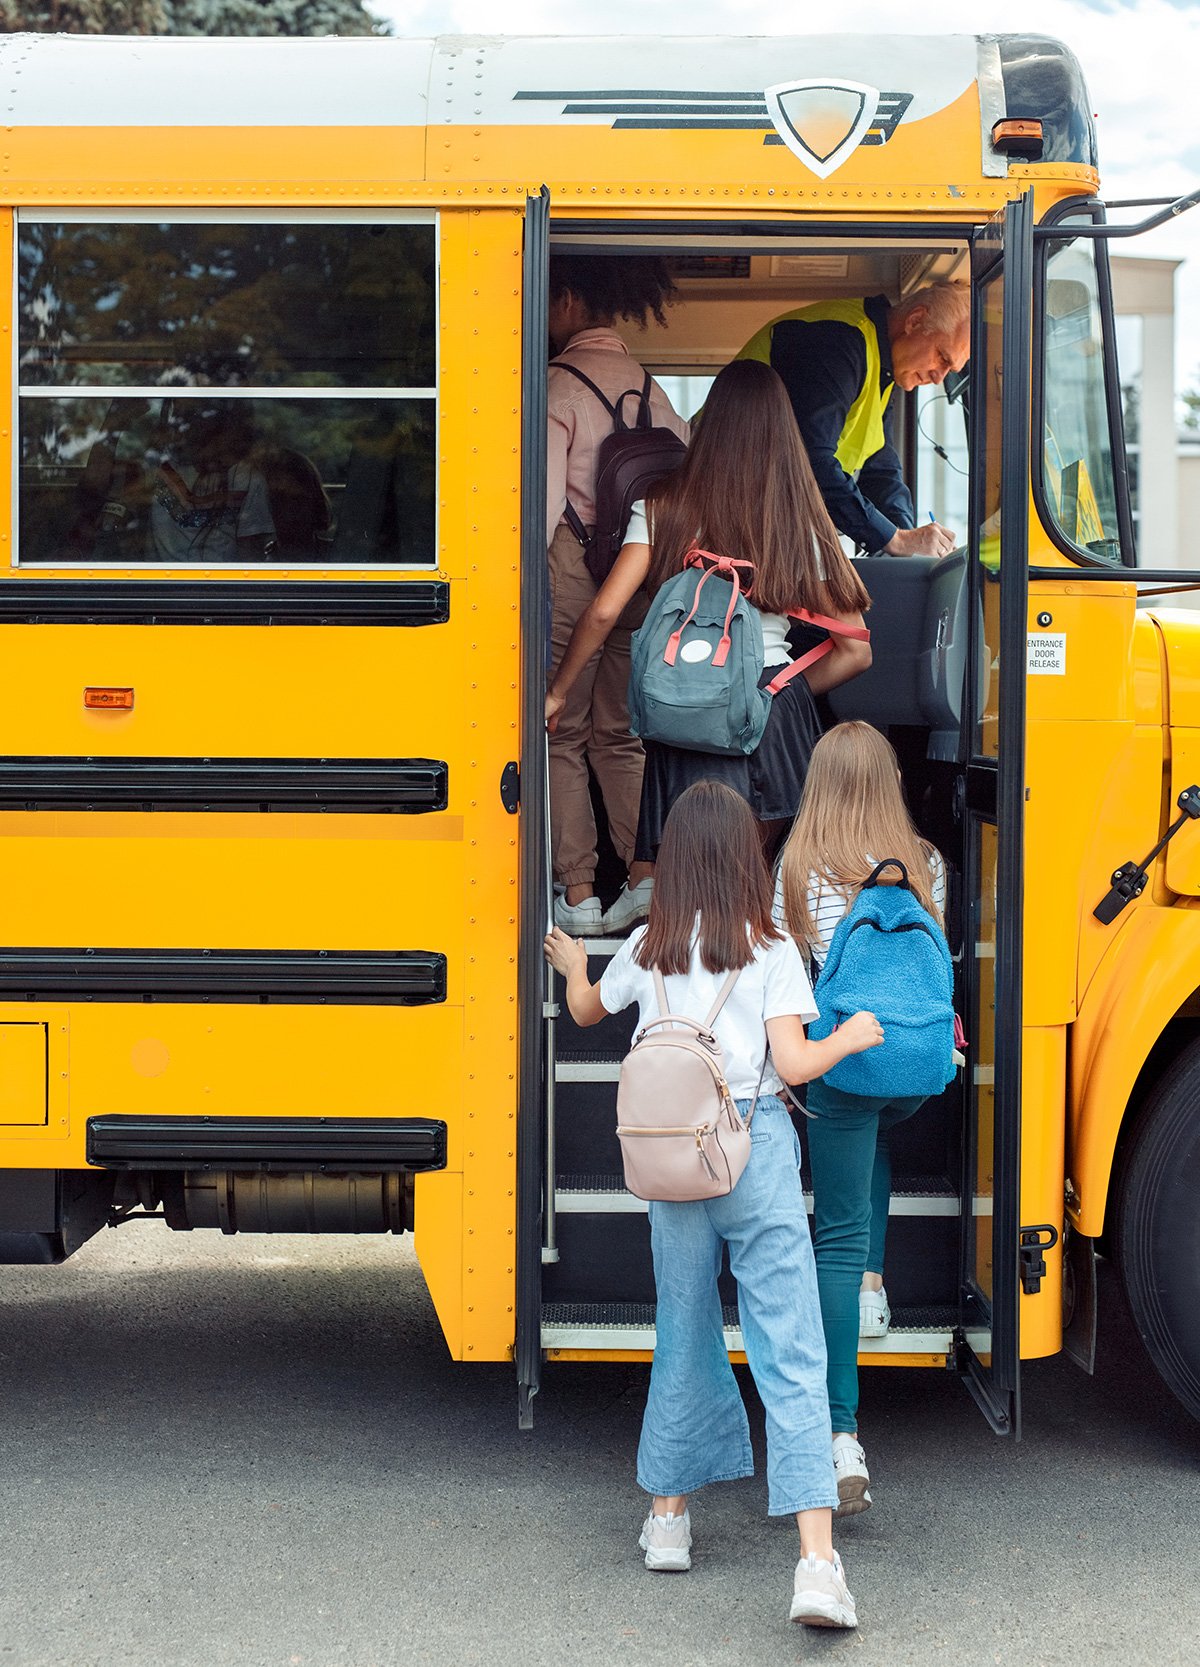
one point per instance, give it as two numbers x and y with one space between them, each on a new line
615 286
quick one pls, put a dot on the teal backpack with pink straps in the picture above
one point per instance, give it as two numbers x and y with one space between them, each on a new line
698 658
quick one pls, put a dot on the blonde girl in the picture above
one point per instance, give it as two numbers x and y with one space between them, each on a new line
852 816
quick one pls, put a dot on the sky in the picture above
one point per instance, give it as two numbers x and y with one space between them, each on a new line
1140 58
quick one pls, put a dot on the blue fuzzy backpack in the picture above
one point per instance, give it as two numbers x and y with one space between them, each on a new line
889 957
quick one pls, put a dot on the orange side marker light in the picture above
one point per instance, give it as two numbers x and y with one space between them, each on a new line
1018 137
108 700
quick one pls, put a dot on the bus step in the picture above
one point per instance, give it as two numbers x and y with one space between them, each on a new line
916 1195
611 1326
586 1067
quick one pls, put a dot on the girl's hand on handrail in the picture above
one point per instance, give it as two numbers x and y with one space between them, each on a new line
564 952
569 956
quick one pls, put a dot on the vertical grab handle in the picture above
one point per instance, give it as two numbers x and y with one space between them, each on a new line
549 1018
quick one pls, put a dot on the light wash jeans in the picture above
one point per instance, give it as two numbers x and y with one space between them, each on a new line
695 1429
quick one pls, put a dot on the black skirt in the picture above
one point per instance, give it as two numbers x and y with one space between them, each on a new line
770 779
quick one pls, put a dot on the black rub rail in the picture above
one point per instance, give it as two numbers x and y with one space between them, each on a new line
223 602
405 786
338 1145
407 977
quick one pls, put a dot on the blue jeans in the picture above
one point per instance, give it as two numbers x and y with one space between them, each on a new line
695 1429
852 1191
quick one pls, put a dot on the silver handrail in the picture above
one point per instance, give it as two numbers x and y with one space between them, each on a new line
550 1013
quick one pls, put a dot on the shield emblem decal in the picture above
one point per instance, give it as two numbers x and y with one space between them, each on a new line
822 121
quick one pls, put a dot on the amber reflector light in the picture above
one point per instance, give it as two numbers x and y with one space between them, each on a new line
109 700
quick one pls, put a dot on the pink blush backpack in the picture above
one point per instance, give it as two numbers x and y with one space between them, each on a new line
682 1136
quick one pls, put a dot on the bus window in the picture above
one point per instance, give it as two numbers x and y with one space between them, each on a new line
232 393
1078 481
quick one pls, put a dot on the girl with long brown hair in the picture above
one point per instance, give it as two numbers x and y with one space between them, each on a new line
710 912
852 816
746 490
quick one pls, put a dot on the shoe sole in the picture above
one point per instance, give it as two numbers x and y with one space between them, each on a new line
596 931
874 1330
815 1611
854 1496
666 1561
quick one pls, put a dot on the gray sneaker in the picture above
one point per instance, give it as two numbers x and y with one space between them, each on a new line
667 1542
821 1596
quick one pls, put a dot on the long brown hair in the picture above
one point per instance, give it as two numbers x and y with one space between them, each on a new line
746 489
851 817
710 863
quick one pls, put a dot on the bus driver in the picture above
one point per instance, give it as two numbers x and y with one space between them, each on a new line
839 361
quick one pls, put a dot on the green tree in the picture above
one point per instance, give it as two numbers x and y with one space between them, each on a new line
84 17
189 17
1190 401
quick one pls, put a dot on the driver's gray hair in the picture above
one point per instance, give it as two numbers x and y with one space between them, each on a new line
948 308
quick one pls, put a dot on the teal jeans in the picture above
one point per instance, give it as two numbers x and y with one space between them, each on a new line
852 1191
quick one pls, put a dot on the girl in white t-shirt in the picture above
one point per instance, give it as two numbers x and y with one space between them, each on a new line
711 912
851 817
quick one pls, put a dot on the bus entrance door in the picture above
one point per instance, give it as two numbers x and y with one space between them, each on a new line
992 805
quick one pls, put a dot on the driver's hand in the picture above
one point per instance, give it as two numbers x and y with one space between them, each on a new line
930 540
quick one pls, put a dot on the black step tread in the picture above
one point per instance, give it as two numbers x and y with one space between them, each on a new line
903 1186
622 1315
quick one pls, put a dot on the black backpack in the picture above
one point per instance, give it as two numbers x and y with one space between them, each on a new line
628 463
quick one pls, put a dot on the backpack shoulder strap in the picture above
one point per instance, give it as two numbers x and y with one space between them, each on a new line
643 418
835 627
561 364
575 521
723 995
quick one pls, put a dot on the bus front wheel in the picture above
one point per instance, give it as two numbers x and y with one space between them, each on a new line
1158 1227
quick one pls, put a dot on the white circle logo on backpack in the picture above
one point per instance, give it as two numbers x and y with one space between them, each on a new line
695 651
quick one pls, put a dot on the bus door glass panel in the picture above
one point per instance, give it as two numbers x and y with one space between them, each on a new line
226 393
993 800
1079 482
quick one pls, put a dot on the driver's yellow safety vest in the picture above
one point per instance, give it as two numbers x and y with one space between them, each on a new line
862 432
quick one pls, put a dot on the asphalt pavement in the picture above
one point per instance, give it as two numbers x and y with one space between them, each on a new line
255 1453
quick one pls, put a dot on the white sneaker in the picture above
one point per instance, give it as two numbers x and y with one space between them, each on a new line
850 1468
629 908
667 1542
874 1315
821 1596
579 920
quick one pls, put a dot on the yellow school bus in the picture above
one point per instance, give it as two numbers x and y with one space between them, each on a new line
272 614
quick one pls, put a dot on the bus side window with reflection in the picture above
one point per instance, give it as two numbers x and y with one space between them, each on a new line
1077 463
279 405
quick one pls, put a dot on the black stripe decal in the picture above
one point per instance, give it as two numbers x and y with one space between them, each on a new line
586 94
222 602
661 123
344 1145
747 107
318 977
405 786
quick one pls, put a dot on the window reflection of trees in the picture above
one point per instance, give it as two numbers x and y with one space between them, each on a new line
221 305
153 308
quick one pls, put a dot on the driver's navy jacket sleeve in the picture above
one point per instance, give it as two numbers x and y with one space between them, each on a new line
823 365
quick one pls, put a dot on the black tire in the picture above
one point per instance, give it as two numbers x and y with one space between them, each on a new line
1158 1227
